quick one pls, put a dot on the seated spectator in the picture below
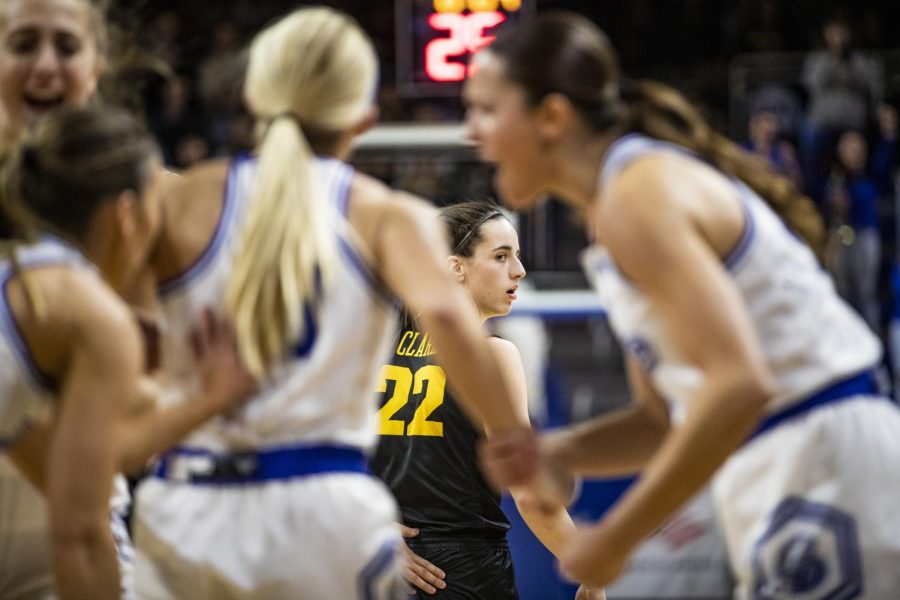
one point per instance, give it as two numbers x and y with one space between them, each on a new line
177 118
782 101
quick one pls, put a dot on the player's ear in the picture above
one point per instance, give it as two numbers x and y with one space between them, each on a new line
457 268
555 117
125 212
366 123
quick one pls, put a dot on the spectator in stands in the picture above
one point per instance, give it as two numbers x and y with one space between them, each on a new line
216 74
765 140
845 86
167 38
851 198
762 27
220 80
178 118
882 163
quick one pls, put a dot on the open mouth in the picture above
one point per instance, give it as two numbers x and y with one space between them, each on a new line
511 293
36 104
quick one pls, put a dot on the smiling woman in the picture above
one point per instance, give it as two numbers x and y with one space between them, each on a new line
51 54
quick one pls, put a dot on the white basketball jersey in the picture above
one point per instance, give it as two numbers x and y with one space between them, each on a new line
809 335
25 393
324 393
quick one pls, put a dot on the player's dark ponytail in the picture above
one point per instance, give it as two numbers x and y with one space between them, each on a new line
564 53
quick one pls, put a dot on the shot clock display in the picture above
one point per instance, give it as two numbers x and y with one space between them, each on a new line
436 39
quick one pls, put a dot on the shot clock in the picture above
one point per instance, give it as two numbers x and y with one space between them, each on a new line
437 38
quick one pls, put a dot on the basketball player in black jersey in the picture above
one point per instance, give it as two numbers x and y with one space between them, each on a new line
455 529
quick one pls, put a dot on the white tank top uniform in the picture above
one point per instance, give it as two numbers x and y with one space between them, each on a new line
26 396
809 504
275 500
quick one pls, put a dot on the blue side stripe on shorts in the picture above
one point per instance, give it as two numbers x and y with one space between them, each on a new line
864 383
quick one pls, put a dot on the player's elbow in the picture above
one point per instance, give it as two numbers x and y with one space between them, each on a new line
86 529
133 463
442 315
760 389
750 389
530 506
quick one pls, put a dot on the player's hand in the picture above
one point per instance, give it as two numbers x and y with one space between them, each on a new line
555 475
521 460
589 593
226 381
510 458
592 559
419 572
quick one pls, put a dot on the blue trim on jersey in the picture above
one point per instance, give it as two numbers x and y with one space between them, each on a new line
863 384
339 176
739 251
14 334
343 192
273 464
618 157
209 253
360 266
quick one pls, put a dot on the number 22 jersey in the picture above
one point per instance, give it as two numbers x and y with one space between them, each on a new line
426 450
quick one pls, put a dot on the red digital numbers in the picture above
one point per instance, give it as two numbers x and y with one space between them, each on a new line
436 40
467 35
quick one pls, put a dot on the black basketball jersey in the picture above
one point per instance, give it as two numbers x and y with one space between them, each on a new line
427 447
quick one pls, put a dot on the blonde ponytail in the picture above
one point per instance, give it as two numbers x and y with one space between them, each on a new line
287 251
310 74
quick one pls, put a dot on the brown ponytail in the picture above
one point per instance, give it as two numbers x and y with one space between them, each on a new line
565 53
72 162
661 112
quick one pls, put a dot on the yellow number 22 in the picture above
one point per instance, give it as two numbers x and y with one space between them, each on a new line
432 378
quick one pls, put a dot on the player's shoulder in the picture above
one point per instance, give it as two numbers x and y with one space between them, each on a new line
376 210
71 307
372 194
90 305
504 350
186 192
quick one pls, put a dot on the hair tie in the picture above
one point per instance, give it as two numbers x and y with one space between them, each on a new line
291 116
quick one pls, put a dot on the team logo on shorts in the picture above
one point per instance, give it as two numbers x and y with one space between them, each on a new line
381 578
809 551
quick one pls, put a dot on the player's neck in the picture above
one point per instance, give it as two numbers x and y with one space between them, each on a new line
576 170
